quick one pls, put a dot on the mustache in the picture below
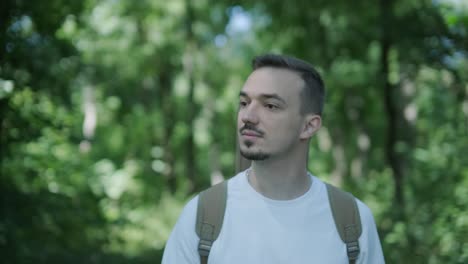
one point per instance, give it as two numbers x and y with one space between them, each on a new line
251 127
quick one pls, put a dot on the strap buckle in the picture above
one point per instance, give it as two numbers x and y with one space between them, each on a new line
204 247
353 249
206 239
352 242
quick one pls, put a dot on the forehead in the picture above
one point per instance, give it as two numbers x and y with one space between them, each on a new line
269 80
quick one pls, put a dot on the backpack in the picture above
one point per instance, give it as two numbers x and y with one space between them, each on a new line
212 205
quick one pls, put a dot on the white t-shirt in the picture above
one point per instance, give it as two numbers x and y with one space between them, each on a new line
257 230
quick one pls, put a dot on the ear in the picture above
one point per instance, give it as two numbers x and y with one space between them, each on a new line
312 124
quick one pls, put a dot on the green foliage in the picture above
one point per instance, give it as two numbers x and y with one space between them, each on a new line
115 113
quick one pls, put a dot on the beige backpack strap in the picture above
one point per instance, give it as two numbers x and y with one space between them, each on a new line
347 219
210 215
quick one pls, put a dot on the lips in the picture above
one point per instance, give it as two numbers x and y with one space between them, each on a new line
250 133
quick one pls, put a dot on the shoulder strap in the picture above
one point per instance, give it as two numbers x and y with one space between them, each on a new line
210 215
212 206
347 220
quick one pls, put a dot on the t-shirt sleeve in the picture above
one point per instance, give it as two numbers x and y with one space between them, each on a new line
181 247
371 250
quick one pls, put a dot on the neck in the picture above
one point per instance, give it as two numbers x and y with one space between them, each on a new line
280 179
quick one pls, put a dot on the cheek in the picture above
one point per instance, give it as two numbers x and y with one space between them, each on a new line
291 127
239 122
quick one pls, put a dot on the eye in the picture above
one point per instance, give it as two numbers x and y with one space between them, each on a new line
242 103
271 106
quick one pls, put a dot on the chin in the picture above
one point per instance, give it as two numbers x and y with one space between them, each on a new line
252 155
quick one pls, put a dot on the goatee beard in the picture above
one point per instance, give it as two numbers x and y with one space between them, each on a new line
254 156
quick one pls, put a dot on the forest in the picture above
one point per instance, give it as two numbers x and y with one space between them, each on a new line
114 113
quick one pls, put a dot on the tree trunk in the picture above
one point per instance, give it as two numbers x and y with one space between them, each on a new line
165 85
188 68
389 102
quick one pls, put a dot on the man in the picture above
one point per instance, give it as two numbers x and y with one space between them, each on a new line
276 212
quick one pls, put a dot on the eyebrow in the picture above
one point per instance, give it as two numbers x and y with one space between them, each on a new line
266 96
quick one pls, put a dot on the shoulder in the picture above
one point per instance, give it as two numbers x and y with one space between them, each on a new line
181 245
185 223
371 249
369 241
364 211
190 209
187 218
234 185
367 218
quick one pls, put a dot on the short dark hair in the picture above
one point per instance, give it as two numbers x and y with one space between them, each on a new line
313 94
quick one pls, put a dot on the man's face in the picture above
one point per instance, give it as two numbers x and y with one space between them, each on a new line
269 122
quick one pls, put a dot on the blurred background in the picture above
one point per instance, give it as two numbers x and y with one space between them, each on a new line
115 113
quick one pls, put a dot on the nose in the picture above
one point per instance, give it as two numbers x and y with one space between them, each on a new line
248 114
